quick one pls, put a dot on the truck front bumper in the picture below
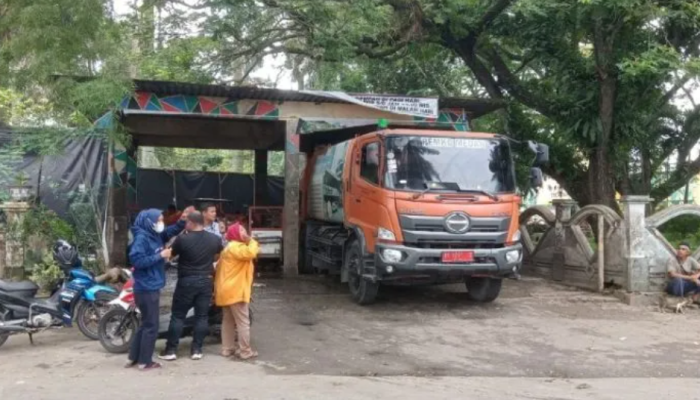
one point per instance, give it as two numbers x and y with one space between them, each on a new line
427 263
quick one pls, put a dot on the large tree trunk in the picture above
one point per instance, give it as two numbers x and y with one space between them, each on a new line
601 172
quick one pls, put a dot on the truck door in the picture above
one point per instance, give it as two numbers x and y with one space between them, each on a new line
364 203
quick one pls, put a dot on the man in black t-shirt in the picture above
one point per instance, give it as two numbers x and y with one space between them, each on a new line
198 250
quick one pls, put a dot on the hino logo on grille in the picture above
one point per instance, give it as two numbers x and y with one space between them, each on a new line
457 222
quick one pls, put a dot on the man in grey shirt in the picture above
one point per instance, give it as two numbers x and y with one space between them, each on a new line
208 211
683 273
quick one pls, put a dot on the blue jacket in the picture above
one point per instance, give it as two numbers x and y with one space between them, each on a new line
144 254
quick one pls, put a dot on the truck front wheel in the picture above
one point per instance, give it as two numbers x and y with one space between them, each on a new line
363 291
483 290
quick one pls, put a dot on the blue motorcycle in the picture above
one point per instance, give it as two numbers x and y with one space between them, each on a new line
79 296
86 299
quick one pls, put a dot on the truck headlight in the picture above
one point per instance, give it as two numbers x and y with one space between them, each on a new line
512 256
516 236
392 255
385 234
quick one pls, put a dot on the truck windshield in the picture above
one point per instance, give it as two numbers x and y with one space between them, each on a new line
418 163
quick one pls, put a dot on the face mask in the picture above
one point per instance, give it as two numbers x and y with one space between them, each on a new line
159 227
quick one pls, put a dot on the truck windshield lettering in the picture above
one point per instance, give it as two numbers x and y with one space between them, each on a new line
454 142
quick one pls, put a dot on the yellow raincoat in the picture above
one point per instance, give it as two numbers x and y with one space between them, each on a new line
234 273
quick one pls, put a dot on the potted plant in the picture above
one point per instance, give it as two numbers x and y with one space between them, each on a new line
20 191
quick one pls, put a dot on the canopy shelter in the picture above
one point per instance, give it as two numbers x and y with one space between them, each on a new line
175 114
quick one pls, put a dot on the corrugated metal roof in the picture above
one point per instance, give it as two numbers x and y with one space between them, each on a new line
474 107
234 92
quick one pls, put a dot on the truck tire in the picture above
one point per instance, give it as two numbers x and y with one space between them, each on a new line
363 291
483 290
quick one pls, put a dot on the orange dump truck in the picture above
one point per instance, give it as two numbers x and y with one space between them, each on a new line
414 206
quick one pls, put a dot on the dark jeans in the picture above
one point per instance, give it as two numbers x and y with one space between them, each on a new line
145 339
681 287
193 291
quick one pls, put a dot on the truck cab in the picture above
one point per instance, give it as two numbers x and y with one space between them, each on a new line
406 206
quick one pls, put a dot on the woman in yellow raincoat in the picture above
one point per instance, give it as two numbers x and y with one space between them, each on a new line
233 285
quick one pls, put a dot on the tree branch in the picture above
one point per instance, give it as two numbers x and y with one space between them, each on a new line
491 14
690 97
677 180
184 3
512 84
680 85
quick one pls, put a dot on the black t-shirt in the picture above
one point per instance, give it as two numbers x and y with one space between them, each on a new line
197 251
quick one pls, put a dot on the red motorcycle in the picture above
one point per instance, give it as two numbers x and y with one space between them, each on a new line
119 325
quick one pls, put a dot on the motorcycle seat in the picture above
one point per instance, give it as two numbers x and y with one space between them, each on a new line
27 287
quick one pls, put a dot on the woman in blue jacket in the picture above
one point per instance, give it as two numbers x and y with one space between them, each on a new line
147 255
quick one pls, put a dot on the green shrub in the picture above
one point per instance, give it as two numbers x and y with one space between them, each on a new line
41 221
46 273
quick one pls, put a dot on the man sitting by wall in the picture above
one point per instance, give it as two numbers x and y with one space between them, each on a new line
683 273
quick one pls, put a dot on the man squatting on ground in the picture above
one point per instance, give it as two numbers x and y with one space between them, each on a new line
198 250
683 273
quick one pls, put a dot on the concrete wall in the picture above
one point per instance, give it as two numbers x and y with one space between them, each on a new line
633 254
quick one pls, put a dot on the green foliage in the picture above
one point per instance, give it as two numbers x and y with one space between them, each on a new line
183 59
46 272
211 160
685 228
16 109
589 78
42 222
600 81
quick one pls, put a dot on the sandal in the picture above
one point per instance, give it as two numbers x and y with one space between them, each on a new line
148 367
250 356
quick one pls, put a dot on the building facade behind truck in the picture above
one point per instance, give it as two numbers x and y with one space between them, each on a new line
413 206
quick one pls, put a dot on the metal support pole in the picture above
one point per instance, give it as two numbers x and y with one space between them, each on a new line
601 253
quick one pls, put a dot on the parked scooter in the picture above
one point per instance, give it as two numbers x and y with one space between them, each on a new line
118 326
77 294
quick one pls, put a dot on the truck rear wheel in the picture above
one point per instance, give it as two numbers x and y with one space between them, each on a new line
363 291
483 290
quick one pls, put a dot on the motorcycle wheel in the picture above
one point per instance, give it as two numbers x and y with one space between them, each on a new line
117 329
88 315
3 336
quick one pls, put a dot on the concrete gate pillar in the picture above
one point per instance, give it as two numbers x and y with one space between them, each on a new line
14 249
563 209
634 209
293 165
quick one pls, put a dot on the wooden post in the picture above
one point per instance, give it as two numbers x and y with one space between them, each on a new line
601 253
260 181
291 222
117 229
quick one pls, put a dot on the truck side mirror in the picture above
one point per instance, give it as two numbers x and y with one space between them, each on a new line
541 152
536 177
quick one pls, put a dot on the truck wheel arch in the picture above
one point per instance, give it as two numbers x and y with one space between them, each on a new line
355 234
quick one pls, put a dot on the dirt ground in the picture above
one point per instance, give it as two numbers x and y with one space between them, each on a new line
537 341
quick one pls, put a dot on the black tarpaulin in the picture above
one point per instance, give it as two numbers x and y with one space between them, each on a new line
159 188
193 185
78 173
154 188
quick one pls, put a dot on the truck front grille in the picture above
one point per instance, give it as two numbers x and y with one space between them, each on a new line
430 233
